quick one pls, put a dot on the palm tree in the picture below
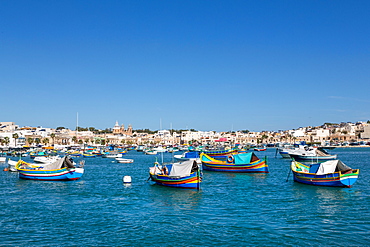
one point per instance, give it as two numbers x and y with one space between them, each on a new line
37 141
30 140
45 141
74 139
294 139
263 137
6 140
15 136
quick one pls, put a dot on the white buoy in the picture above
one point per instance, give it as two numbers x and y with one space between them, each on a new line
127 179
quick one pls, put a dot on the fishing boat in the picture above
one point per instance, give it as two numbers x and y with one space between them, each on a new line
113 155
289 149
2 159
122 160
244 162
62 169
184 174
314 155
89 155
11 165
329 173
258 149
150 152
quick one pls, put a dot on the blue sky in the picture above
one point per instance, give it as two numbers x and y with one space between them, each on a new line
206 65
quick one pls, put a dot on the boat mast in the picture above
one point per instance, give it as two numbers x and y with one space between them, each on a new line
160 127
77 127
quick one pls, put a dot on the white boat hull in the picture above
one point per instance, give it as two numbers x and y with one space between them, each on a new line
121 160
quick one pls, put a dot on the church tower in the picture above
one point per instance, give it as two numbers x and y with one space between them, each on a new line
116 129
129 130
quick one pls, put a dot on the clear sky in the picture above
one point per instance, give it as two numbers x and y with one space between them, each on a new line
206 65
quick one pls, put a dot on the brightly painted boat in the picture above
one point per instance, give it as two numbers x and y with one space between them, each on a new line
89 155
244 162
75 153
62 169
184 174
329 173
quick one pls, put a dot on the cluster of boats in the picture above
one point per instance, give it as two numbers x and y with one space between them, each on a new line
314 166
309 165
187 172
52 167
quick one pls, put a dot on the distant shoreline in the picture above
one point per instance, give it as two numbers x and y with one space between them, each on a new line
359 146
333 147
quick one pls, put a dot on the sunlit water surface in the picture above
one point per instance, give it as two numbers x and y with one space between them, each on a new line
229 210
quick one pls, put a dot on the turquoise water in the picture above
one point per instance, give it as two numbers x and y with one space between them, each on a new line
229 210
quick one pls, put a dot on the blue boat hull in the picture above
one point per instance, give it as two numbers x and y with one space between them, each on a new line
57 175
188 182
333 179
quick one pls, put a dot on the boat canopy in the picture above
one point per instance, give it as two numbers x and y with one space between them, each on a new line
245 158
182 169
331 166
60 163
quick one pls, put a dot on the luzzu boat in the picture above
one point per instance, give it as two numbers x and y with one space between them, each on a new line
244 162
89 155
329 173
184 174
62 169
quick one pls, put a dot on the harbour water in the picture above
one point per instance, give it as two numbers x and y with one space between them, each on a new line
229 210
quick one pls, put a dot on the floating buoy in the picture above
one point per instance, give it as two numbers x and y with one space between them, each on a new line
127 179
6 169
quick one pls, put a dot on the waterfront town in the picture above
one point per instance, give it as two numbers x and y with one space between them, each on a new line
328 134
